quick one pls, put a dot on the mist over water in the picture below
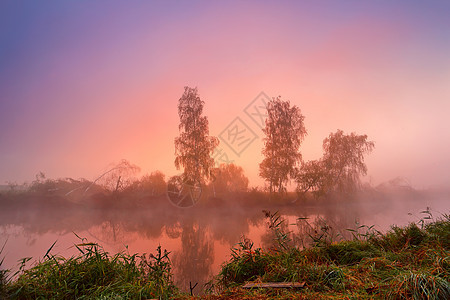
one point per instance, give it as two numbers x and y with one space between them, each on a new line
306 97
199 238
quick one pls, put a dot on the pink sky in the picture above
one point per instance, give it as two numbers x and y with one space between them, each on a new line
83 85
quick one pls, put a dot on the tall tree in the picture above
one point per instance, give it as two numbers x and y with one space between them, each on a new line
284 132
194 146
344 159
340 167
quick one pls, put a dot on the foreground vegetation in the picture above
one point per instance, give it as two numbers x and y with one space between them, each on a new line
406 263
411 262
93 274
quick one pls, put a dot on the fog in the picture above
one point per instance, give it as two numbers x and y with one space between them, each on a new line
104 83
199 237
83 85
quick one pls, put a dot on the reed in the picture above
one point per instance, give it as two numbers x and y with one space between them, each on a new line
3 275
411 262
95 274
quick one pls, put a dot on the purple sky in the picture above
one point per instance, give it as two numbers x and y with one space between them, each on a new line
85 84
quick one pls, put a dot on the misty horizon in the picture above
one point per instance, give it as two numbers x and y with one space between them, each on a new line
97 85
300 144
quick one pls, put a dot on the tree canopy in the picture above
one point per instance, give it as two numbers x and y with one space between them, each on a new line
340 167
194 146
284 132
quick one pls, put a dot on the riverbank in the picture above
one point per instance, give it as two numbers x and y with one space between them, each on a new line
411 262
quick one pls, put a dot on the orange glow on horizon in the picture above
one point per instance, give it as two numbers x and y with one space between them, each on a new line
81 95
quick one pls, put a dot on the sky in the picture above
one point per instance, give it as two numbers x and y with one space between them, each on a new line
86 84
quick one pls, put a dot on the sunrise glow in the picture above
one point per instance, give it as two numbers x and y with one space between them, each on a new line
83 85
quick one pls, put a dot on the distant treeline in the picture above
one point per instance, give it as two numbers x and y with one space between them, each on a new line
119 187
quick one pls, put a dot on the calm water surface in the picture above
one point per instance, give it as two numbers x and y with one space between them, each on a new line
198 238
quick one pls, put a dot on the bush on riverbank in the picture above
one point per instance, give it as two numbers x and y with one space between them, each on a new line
94 274
406 263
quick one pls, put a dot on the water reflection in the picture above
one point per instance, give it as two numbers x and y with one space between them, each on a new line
110 233
194 260
199 238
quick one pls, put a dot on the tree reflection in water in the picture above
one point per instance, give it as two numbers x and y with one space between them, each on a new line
193 262
30 224
111 233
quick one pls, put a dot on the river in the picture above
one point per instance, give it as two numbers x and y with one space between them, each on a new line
199 238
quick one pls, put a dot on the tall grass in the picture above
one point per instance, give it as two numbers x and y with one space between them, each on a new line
95 274
3 275
411 262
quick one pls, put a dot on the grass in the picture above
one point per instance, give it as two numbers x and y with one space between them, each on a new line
412 262
3 275
94 274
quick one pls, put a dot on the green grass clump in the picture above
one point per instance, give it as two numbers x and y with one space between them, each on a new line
412 262
350 252
3 276
419 286
94 274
